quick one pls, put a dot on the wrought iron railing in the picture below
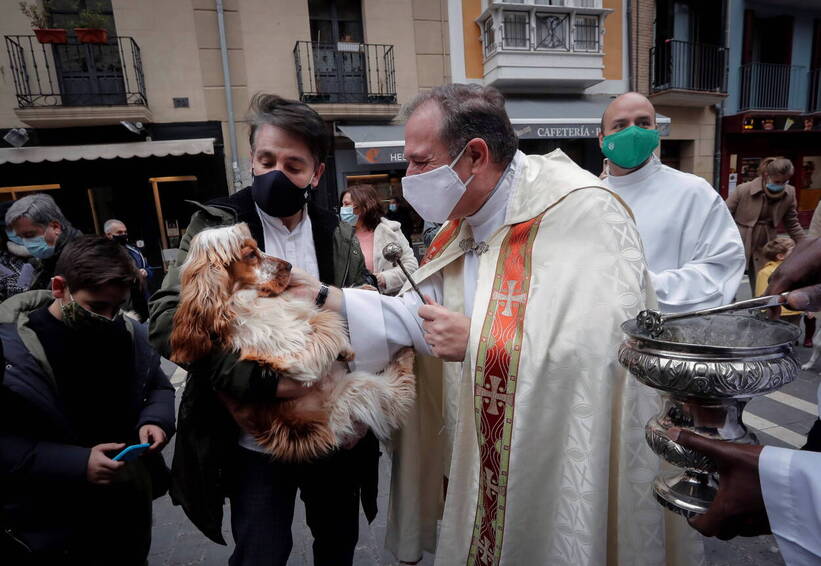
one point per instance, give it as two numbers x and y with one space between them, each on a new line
815 91
771 86
683 65
76 74
554 31
564 3
345 72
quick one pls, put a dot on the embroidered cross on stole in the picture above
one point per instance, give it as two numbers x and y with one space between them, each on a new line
497 364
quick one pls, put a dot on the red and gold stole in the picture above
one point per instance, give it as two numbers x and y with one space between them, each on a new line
497 365
441 241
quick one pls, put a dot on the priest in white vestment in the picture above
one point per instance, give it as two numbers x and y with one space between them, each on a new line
692 245
526 410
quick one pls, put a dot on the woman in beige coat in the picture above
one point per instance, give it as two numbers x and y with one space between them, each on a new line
760 205
360 207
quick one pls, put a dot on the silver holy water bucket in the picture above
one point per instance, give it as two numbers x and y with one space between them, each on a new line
706 370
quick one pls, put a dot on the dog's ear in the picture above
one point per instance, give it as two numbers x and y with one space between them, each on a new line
203 317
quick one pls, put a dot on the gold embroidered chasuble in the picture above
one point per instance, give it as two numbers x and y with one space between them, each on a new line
540 431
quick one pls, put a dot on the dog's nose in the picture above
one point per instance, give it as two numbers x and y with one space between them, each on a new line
287 265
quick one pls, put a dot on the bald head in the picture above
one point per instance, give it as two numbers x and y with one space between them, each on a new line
628 109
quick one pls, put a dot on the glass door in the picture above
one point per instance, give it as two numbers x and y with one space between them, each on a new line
88 74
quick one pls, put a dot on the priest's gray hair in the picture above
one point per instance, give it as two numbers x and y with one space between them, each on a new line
471 111
39 208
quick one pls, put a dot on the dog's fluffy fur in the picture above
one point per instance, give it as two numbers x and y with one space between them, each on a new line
230 296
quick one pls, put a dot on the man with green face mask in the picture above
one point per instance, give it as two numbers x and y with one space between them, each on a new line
81 383
693 248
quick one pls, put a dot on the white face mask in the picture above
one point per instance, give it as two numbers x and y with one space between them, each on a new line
434 194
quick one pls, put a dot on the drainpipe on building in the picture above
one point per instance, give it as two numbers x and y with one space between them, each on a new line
229 99
719 108
629 12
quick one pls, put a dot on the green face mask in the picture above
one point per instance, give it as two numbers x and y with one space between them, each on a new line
630 147
79 318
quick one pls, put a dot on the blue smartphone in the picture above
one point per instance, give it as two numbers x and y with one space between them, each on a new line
131 452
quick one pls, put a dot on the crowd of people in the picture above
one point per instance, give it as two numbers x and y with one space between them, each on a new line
525 444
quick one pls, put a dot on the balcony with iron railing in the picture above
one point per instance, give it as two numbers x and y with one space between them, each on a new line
688 74
75 83
596 4
347 79
772 86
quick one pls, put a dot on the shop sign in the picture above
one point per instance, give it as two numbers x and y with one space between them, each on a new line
539 131
375 155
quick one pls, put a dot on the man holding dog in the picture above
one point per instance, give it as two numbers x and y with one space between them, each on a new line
543 444
214 457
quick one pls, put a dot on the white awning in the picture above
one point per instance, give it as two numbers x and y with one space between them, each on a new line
38 154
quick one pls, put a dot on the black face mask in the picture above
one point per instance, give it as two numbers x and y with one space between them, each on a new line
121 239
277 196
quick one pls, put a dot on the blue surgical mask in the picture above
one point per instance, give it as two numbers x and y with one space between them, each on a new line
774 188
13 237
347 215
392 207
38 247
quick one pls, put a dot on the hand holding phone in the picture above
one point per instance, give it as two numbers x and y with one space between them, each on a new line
101 469
131 452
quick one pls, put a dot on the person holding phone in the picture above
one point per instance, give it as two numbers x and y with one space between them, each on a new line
81 383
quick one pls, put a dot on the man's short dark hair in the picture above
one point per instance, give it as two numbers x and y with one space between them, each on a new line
296 118
471 111
91 262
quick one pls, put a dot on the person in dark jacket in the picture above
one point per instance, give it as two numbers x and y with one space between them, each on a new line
138 302
398 212
81 383
45 232
18 269
214 457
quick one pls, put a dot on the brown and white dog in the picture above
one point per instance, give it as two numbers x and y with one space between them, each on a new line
230 297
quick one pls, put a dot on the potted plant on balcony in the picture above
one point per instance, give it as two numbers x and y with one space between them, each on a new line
91 27
39 18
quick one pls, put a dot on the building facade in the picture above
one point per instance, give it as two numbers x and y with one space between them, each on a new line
774 102
558 62
678 58
137 123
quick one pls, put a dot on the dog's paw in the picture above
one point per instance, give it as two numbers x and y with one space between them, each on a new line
346 355
806 366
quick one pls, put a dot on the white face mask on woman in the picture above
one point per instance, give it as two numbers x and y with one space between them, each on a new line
434 194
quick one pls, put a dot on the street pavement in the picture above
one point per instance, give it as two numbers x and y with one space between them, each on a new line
780 419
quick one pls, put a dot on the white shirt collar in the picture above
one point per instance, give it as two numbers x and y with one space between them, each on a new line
491 216
637 176
277 224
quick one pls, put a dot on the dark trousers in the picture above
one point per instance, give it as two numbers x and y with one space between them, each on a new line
104 525
262 508
814 438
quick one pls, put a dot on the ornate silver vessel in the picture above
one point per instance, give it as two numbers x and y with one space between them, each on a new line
706 369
